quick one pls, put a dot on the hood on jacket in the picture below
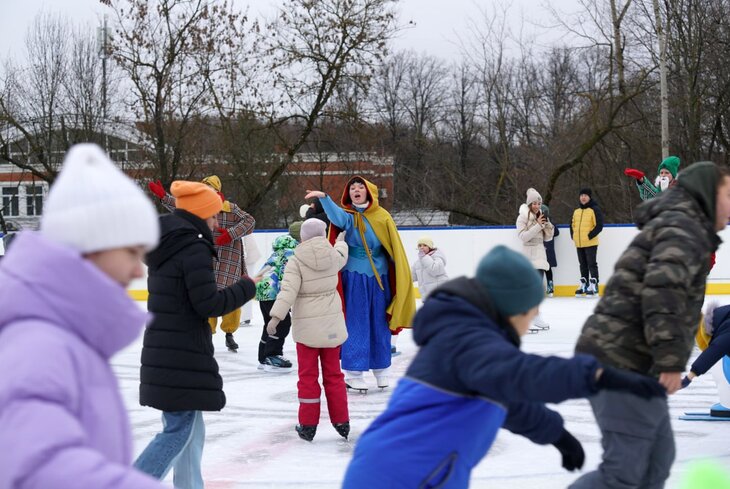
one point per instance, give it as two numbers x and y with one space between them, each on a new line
700 181
316 253
372 191
45 281
524 210
476 295
283 243
178 231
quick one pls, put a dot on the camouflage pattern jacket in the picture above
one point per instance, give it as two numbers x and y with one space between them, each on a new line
648 315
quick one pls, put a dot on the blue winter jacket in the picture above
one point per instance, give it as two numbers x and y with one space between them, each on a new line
719 342
468 380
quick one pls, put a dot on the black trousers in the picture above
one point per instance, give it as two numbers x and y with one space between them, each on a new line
587 261
269 346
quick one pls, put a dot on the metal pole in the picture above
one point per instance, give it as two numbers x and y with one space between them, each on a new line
663 89
103 52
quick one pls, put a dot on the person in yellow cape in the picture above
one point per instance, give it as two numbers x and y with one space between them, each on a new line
376 284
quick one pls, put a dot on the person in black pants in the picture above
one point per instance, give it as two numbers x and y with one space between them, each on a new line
587 223
271 347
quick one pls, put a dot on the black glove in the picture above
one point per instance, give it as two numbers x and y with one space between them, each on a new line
571 450
685 382
637 384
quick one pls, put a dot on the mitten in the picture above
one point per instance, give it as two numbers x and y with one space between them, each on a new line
633 173
396 331
157 189
271 327
421 254
571 450
685 382
637 384
224 237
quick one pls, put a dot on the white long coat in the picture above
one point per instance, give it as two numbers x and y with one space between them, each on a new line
533 237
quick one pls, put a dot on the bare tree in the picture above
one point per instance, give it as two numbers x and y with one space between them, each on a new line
311 48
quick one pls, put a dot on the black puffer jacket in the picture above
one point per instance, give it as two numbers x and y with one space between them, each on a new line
179 372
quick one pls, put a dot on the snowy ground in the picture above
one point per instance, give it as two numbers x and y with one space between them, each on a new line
252 442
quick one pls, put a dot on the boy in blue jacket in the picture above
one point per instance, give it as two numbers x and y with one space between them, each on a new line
470 378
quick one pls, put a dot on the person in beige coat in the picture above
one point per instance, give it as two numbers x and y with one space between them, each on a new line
309 288
533 229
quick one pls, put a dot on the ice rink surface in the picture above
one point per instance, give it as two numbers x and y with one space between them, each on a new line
252 442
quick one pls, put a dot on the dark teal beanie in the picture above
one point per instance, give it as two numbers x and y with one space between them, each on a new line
513 284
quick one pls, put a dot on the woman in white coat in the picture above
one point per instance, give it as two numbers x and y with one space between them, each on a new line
533 229
429 269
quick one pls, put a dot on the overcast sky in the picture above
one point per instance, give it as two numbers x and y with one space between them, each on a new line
435 28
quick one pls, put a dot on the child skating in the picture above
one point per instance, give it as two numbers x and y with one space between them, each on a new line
309 288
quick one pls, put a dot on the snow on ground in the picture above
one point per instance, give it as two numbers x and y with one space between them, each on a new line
252 442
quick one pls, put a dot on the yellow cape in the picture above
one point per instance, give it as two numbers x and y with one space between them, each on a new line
402 307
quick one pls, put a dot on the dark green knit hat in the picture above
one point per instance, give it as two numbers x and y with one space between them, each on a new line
670 163
295 230
512 282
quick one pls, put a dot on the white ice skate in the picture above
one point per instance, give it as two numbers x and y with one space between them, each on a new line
382 381
357 384
540 323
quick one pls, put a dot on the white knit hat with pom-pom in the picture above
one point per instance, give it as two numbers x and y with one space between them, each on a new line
532 196
93 206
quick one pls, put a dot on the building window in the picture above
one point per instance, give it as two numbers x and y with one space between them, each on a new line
34 200
10 201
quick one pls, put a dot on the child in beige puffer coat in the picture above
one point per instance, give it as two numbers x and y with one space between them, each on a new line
309 288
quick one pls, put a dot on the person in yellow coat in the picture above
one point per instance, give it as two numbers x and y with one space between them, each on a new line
585 226
376 284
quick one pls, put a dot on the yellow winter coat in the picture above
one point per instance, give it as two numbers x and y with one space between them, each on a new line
586 224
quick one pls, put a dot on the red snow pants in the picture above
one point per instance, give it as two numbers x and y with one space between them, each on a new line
310 391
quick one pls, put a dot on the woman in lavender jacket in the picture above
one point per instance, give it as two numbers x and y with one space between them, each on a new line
64 312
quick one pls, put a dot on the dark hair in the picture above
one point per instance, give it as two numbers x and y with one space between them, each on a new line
722 172
357 180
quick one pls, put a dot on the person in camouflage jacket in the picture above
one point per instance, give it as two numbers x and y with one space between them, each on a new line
646 321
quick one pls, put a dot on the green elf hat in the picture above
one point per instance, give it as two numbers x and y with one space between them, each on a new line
670 163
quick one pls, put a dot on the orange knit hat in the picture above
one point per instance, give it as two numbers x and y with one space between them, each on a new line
196 198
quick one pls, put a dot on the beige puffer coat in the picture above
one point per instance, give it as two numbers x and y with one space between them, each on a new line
533 237
309 288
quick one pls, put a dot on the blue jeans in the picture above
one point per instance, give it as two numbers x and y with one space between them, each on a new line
179 446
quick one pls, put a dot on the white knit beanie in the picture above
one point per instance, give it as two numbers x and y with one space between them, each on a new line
93 206
532 196
311 228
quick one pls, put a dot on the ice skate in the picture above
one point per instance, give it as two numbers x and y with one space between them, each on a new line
550 290
394 352
245 323
581 292
343 429
306 432
382 381
231 343
592 290
540 323
277 364
357 384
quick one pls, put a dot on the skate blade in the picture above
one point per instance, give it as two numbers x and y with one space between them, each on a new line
360 391
277 370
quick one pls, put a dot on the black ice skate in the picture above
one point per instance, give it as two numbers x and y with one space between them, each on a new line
277 364
581 292
343 429
357 384
231 343
306 432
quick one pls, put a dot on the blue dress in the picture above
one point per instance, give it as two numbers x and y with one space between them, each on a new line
368 343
